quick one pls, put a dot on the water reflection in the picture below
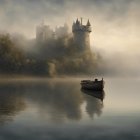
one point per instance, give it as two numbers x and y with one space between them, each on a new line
59 110
94 102
60 100
56 101
11 102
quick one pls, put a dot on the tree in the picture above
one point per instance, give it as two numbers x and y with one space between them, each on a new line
11 58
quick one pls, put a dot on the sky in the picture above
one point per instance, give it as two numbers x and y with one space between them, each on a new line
115 23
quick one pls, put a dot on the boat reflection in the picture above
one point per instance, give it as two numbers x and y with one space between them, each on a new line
97 94
94 102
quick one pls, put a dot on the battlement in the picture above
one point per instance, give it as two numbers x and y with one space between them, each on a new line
78 26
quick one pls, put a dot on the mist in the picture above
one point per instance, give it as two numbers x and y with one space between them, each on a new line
114 39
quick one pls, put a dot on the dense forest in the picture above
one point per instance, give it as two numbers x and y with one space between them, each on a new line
52 58
11 58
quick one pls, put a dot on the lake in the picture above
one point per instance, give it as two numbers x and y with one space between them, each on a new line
57 109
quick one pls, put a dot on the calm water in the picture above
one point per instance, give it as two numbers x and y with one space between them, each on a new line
57 109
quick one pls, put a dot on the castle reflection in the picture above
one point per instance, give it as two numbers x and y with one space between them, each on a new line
11 102
60 100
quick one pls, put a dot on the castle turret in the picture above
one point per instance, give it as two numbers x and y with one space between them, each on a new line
43 33
81 34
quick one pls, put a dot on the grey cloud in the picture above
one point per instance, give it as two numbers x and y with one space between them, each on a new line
28 13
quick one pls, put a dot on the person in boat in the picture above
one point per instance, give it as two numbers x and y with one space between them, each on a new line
96 80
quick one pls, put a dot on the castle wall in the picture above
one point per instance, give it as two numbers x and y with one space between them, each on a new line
43 33
82 40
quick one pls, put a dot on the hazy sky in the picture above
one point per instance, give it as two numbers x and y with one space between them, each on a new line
115 23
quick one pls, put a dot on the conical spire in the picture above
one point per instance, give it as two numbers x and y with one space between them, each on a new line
88 23
77 21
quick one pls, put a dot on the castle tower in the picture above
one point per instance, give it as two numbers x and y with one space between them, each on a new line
43 33
81 34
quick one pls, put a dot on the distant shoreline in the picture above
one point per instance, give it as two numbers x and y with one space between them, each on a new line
20 77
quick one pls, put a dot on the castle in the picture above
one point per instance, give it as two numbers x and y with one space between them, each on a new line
81 33
45 33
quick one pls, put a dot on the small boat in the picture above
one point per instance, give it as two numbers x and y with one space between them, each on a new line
97 85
